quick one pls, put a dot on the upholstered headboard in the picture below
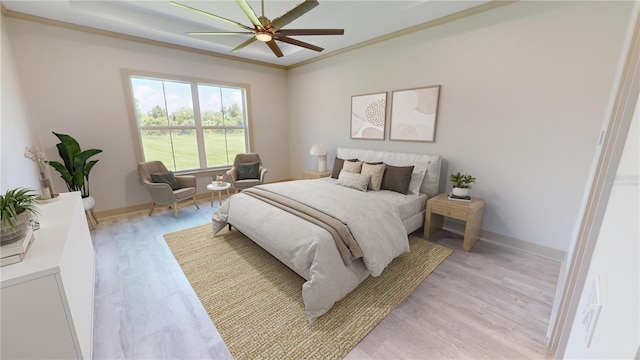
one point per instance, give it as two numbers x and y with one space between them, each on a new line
430 164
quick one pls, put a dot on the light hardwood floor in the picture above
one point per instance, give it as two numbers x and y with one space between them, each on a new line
493 302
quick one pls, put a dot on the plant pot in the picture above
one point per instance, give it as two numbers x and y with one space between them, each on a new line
8 236
88 203
460 191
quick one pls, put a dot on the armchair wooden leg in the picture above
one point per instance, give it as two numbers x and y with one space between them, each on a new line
195 203
152 206
175 210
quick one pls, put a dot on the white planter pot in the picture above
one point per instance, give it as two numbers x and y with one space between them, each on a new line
88 203
460 191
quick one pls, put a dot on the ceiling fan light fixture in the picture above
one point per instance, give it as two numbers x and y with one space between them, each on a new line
264 36
266 31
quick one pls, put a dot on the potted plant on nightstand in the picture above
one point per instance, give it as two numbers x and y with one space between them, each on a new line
16 206
461 184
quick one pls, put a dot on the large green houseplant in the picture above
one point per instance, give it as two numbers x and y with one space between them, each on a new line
76 167
16 206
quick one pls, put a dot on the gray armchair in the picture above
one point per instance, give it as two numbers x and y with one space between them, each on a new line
162 193
232 174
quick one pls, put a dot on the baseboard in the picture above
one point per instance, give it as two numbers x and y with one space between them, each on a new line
121 211
145 207
458 227
141 207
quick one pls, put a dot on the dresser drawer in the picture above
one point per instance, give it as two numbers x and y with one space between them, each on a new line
449 212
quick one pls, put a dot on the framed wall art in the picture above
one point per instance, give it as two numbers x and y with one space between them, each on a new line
414 113
368 116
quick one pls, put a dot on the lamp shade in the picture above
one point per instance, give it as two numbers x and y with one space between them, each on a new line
318 149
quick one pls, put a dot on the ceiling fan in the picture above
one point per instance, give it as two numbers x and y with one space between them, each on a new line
266 30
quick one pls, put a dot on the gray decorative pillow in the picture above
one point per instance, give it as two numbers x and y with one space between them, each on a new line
397 178
248 171
376 171
353 180
352 166
167 178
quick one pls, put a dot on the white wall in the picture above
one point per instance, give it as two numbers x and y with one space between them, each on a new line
525 89
15 125
615 262
72 84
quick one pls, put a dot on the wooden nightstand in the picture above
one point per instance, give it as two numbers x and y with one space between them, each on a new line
315 174
471 212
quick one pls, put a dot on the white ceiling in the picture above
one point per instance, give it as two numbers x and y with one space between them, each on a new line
361 20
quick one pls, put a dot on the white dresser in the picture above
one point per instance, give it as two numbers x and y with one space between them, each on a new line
47 299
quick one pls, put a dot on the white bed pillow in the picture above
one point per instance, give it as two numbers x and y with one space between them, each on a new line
353 180
417 177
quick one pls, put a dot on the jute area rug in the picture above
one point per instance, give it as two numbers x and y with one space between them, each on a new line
255 301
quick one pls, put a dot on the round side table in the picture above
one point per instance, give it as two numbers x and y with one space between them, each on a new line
214 187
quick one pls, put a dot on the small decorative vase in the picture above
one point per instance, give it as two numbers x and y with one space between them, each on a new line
460 191
220 180
46 189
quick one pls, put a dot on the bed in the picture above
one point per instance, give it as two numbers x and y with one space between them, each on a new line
378 220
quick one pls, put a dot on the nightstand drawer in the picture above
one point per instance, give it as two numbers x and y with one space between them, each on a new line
449 212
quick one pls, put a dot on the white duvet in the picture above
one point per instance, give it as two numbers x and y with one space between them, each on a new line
310 250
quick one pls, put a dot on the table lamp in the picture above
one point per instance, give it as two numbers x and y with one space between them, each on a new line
321 151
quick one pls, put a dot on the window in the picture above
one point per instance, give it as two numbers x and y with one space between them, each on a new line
189 125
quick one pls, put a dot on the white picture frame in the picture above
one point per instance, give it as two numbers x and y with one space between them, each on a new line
414 114
368 116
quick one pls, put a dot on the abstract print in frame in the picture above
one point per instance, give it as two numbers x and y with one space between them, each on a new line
368 116
414 113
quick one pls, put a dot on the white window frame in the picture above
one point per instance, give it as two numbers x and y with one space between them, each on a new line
198 127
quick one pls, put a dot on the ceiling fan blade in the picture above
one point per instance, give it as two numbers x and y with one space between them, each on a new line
293 14
298 43
246 8
212 15
274 47
250 41
291 32
220 33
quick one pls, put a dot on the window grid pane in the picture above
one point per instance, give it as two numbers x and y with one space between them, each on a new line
179 102
157 146
223 145
216 147
185 149
149 102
